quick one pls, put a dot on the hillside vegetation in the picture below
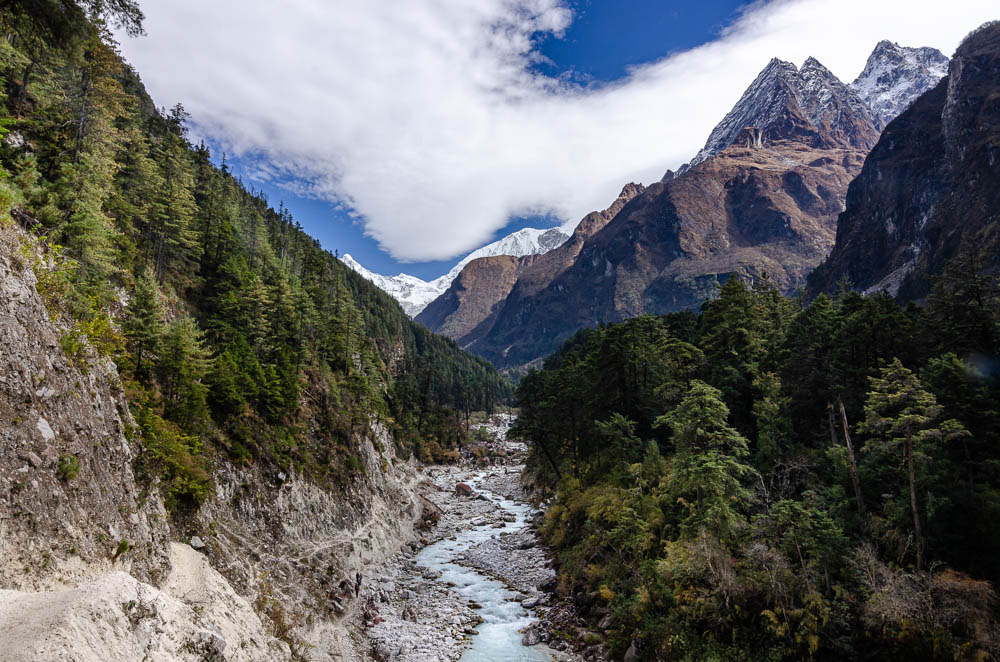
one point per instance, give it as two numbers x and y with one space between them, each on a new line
236 334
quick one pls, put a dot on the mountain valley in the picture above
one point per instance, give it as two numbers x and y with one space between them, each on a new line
746 412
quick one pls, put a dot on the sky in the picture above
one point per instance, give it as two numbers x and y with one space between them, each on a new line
410 132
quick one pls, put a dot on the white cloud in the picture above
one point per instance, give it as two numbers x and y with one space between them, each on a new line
423 117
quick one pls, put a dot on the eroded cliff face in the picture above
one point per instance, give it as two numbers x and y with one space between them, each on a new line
255 573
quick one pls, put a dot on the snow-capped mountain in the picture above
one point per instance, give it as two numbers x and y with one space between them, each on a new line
813 93
895 76
413 293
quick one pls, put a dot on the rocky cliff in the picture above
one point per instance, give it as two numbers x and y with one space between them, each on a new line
809 105
68 492
930 189
894 76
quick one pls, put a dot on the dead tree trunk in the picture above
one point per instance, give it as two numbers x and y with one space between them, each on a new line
855 481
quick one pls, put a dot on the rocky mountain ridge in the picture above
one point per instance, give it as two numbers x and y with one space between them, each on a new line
781 97
761 198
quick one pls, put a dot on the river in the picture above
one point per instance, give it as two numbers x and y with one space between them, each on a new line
498 639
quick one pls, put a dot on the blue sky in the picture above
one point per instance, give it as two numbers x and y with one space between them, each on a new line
605 39
440 121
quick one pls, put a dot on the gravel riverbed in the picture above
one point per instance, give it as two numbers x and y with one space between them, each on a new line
478 573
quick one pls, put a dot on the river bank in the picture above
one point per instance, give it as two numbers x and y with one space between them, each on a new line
478 585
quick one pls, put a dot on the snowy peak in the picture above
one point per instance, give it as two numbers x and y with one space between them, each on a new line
895 76
528 241
784 102
413 293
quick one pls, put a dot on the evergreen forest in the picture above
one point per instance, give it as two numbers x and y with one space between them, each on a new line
778 479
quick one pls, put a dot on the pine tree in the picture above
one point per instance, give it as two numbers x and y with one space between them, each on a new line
900 417
774 426
707 470
183 363
175 237
143 325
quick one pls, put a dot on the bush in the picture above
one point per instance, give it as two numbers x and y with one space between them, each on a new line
68 467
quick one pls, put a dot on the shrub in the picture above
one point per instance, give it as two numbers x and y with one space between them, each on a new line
68 467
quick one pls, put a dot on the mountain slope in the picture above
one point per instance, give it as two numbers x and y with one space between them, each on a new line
809 103
413 293
761 198
180 362
894 76
930 189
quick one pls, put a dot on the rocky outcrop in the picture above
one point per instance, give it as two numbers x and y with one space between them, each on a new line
930 189
196 616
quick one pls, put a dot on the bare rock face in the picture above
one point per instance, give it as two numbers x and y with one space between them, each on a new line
472 297
931 187
68 495
809 105
197 616
263 555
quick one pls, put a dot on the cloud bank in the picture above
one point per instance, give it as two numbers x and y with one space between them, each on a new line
424 117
